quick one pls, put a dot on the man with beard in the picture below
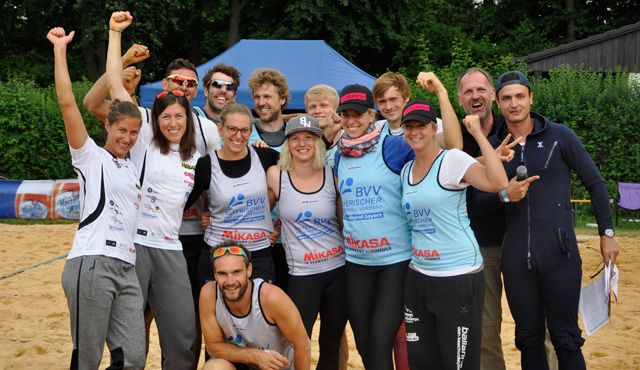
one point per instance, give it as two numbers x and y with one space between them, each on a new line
221 84
270 93
248 323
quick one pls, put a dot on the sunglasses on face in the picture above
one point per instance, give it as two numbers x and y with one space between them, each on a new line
219 84
234 130
183 80
236 251
164 93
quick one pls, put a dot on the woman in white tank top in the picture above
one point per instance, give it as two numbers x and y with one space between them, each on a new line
311 233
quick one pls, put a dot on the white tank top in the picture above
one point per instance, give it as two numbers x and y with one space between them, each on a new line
239 206
311 232
252 330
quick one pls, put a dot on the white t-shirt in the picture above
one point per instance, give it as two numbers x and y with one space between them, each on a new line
109 197
454 166
167 181
398 131
207 139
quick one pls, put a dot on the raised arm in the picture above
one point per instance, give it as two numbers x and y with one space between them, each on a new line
489 176
117 24
73 123
451 136
96 100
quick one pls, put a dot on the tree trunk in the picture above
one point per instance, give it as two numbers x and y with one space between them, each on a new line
234 21
571 21
195 55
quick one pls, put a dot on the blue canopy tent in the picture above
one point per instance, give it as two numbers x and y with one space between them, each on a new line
303 62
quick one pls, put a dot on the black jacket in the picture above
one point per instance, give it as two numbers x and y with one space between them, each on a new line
542 221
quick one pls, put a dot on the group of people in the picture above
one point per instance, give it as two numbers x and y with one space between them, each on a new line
243 230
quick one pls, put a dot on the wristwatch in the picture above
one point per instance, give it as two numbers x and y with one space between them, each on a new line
609 232
505 197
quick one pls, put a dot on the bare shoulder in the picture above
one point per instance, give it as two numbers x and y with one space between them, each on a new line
274 301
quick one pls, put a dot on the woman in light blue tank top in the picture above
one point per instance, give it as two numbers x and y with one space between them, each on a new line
444 289
377 237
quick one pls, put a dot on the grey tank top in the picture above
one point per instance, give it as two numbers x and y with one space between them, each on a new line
311 234
239 206
252 330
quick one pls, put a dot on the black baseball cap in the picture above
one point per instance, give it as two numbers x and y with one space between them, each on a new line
419 110
355 97
512 78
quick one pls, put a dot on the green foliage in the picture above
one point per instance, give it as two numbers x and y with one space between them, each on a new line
462 58
603 110
32 135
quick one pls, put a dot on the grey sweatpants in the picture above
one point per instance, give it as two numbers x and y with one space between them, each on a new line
105 304
165 285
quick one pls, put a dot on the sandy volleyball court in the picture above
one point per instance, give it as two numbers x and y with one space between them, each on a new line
34 330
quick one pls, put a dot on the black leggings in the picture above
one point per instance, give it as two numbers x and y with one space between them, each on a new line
375 296
444 320
322 293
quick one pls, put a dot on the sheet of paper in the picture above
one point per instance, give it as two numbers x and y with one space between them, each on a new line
611 280
594 305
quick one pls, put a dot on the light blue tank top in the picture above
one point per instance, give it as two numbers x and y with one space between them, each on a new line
442 242
375 228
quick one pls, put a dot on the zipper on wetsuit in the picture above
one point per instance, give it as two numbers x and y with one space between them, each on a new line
555 143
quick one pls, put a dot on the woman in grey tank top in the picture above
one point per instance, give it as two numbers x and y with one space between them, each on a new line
311 234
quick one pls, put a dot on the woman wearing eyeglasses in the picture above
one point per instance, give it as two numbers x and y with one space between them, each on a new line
166 164
99 278
238 198
311 234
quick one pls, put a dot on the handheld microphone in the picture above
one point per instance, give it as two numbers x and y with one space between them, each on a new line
521 173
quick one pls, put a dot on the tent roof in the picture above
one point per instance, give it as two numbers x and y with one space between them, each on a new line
304 63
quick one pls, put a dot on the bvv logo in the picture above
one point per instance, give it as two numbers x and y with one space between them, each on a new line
236 200
407 207
304 216
345 185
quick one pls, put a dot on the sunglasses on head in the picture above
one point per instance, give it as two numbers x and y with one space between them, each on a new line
219 84
164 93
183 80
233 250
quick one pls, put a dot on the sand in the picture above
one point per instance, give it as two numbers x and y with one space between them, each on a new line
34 330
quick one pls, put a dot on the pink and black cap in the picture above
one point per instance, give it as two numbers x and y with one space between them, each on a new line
355 97
419 110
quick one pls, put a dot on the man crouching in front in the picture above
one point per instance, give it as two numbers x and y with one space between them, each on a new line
248 323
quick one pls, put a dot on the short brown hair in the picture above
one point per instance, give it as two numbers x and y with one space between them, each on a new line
225 69
180 63
272 76
388 80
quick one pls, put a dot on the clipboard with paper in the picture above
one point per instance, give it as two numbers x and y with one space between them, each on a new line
595 299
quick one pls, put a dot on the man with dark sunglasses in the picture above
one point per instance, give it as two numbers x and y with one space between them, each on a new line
248 323
221 84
